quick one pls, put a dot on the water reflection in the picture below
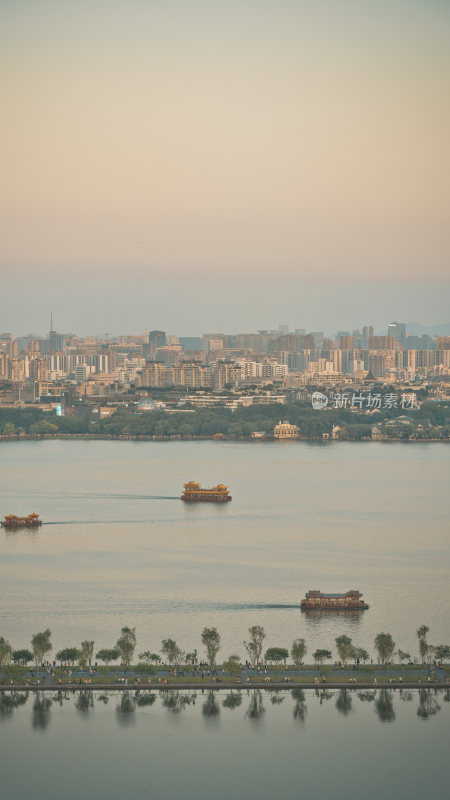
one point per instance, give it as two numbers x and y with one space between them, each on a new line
384 706
428 704
300 710
125 710
175 701
9 702
344 702
210 707
367 696
277 698
323 694
84 702
41 712
319 615
145 699
255 710
232 700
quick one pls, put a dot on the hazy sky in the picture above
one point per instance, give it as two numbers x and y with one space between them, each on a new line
197 164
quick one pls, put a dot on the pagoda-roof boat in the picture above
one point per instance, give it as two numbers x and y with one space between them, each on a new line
194 493
316 600
31 521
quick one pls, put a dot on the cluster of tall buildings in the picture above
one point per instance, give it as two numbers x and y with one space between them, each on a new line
65 363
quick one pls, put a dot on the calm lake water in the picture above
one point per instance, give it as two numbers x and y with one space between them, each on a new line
120 548
334 744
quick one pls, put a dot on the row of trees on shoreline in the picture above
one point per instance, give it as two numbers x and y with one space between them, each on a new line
124 650
433 417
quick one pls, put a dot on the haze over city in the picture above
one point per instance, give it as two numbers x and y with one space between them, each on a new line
202 165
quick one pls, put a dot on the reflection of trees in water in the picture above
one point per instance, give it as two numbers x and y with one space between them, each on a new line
406 695
176 701
125 710
277 698
84 702
41 711
428 704
103 698
384 706
300 709
255 710
323 694
145 699
344 702
232 700
59 697
367 696
447 696
9 702
210 707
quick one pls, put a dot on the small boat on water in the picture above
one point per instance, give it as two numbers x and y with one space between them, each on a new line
31 521
316 600
194 493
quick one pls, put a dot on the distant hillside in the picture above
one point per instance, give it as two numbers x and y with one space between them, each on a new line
432 330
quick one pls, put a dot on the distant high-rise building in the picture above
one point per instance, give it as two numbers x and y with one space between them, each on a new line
191 342
398 331
381 343
318 337
346 342
358 338
156 339
367 333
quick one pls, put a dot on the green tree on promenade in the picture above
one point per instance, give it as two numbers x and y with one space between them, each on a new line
345 649
107 656
442 652
148 658
403 656
422 633
232 665
276 654
41 645
86 653
68 655
22 656
191 658
126 644
359 654
9 429
171 651
385 646
211 642
5 652
255 645
321 655
298 651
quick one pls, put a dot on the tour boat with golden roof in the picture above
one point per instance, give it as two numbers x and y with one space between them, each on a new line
319 601
31 521
193 493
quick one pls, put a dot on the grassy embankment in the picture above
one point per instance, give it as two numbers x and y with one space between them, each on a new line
306 675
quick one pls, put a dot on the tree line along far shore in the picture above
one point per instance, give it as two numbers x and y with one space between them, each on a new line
429 421
171 654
